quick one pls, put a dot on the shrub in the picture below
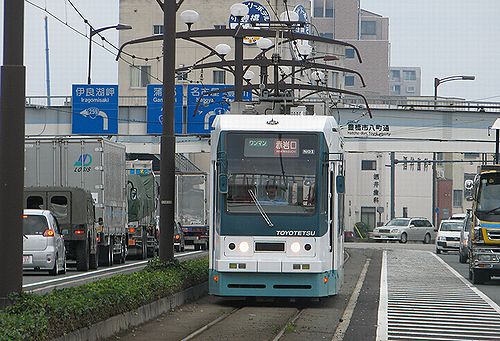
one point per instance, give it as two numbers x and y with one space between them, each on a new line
43 317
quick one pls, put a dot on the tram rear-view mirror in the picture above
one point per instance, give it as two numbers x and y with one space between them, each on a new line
223 183
340 183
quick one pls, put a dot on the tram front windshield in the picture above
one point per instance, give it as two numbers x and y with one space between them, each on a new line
272 172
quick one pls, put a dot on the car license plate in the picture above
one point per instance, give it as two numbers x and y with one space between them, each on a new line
453 244
27 259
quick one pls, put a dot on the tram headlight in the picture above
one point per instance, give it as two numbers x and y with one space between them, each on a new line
244 247
295 247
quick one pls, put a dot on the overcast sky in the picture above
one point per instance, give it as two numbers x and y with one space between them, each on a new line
443 37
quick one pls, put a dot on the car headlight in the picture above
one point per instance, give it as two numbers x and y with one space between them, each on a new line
295 247
441 238
394 230
487 258
244 247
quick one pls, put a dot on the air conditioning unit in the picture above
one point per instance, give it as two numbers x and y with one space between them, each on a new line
440 173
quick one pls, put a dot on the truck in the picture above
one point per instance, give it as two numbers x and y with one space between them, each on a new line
96 165
191 208
75 212
484 235
142 196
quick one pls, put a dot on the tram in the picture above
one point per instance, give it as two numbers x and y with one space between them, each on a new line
276 222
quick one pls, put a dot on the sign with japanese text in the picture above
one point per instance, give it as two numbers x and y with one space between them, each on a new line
286 147
210 104
355 129
256 13
303 17
94 109
154 111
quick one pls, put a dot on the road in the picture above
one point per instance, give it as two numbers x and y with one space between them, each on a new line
41 282
391 291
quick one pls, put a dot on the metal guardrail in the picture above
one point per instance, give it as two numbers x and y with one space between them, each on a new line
388 102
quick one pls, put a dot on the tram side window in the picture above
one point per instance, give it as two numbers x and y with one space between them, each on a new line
34 202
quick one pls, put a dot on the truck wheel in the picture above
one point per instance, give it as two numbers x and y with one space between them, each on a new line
117 257
151 252
94 259
196 247
106 255
204 246
82 256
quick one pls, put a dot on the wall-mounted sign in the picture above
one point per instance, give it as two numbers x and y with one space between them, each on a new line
368 130
154 111
94 109
303 17
257 13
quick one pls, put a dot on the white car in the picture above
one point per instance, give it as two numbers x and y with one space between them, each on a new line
405 229
43 243
448 236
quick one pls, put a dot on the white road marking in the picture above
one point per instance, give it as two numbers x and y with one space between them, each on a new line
349 310
120 268
382 305
467 283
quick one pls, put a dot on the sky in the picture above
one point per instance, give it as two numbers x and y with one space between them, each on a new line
443 37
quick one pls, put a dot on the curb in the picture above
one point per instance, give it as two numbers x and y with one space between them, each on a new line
118 323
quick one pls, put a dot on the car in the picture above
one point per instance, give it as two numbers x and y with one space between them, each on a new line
448 236
463 248
179 240
405 229
43 243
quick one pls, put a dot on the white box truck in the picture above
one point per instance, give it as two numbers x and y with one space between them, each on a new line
96 165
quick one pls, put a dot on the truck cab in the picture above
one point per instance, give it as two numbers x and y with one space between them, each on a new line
484 249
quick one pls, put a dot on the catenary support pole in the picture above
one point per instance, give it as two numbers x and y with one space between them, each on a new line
393 185
12 98
167 152
497 142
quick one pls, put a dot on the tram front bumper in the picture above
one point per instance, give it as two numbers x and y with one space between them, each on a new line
284 284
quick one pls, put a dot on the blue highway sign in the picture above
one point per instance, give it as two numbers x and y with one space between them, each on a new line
95 109
155 109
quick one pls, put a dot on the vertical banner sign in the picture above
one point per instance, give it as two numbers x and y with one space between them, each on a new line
256 13
154 111
210 105
303 17
95 109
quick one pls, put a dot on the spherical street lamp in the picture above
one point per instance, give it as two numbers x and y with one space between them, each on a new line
189 17
248 76
289 16
223 49
264 43
239 11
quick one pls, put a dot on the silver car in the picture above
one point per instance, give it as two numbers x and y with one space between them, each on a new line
43 243
405 229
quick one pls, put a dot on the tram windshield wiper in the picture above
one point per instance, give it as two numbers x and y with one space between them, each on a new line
259 207
493 210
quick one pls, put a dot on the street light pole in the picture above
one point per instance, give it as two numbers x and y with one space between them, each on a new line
93 33
167 152
438 81
12 118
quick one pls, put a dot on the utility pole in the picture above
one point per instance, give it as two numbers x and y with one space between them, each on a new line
12 103
167 152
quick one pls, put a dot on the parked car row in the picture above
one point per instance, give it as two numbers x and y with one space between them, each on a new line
404 230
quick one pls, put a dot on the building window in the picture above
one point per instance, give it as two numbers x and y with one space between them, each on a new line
349 81
410 89
328 35
471 155
409 75
457 197
368 216
157 29
219 27
396 89
369 27
395 75
329 8
349 53
323 8
140 76
368 165
219 77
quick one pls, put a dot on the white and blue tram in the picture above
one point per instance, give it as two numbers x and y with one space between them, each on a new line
276 226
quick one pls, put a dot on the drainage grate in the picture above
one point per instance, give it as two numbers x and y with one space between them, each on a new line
425 300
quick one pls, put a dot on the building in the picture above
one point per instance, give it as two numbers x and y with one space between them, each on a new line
405 81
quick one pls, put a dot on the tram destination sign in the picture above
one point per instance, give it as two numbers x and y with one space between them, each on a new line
270 147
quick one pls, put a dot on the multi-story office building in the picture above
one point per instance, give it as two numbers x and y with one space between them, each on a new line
404 81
